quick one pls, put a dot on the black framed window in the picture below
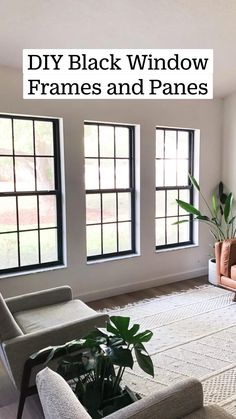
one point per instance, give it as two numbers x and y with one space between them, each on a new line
110 189
174 160
30 193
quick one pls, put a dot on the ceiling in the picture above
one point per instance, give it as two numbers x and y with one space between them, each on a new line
123 24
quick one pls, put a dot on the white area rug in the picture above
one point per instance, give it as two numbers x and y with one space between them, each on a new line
194 335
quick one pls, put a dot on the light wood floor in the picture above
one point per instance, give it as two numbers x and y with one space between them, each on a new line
9 396
122 300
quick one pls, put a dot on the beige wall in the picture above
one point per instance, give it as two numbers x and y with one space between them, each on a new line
229 143
151 268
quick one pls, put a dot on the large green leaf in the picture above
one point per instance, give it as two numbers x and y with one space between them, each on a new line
194 182
121 357
188 207
228 206
143 337
121 326
144 361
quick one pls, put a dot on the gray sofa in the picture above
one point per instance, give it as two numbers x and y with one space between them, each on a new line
182 400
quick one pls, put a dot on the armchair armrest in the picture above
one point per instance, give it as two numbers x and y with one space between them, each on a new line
173 402
228 257
20 348
39 299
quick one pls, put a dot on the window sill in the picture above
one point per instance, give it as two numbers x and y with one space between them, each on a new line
92 262
171 249
34 271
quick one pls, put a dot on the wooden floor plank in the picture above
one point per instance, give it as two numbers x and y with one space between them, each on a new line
122 300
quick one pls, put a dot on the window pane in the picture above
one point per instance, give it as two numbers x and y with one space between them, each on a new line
106 141
91 174
23 136
172 207
108 207
8 253
109 238
172 230
93 209
184 230
124 236
45 173
43 138
184 195
48 245
93 240
183 144
170 144
182 172
124 206
27 210
107 173
122 142
29 252
170 172
160 203
47 211
90 141
6 174
159 173
5 136
122 173
25 176
8 214
160 143
160 232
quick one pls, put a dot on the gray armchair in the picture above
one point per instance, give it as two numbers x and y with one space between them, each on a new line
181 400
34 321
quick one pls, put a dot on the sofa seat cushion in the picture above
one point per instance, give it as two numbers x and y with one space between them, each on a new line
209 412
38 319
233 272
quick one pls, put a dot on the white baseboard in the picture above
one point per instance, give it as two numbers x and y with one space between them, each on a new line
136 286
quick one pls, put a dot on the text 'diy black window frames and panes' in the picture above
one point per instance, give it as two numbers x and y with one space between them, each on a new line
110 190
174 161
30 194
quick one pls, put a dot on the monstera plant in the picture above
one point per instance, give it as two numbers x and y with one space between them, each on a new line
94 366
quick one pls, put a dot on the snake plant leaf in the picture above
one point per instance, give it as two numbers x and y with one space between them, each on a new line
228 207
180 222
202 217
232 220
188 207
214 205
194 182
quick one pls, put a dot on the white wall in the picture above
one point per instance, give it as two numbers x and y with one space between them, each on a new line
151 268
229 143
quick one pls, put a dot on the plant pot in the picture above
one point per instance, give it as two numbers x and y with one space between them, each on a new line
212 277
125 398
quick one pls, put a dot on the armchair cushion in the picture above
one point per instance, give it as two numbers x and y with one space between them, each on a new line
233 272
42 318
9 328
39 299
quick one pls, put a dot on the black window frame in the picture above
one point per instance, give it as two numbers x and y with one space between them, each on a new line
178 188
115 190
57 192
